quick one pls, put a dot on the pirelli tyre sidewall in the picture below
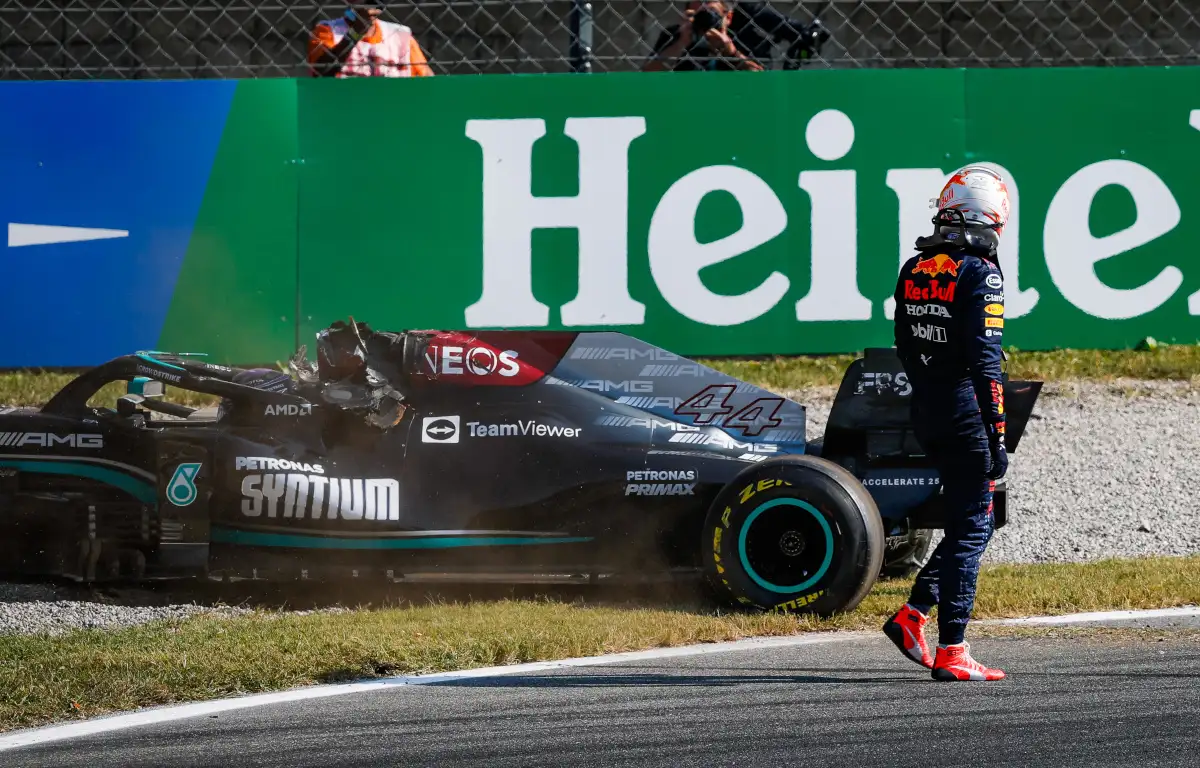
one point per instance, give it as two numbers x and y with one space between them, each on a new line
793 534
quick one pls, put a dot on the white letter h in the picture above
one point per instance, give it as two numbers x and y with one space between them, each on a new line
599 212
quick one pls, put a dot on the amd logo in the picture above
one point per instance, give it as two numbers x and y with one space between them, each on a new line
49 440
289 410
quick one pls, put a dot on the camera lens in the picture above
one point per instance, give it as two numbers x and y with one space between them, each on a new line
705 19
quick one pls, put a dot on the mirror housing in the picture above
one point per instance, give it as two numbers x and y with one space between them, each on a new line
128 405
144 387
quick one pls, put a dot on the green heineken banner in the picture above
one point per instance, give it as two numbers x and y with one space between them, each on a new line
747 214
711 213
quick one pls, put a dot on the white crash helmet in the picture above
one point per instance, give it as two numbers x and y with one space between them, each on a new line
973 207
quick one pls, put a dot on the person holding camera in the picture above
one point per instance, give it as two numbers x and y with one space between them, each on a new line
720 36
360 44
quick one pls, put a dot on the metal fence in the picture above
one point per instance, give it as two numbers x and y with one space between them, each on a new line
76 39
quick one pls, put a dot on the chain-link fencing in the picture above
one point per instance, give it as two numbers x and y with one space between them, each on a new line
74 39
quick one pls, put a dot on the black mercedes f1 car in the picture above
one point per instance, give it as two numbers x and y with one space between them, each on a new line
451 454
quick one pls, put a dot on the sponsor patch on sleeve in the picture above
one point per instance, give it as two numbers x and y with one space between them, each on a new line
993 322
994 309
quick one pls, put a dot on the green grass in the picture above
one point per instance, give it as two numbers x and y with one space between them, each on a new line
36 387
1175 362
89 672
1172 362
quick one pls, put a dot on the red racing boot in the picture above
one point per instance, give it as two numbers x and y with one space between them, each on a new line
907 630
954 663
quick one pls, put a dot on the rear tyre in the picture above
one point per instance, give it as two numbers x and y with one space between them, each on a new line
793 534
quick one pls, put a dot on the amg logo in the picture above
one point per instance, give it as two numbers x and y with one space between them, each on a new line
633 421
928 332
648 403
665 371
258 464
785 435
154 373
621 353
691 454
722 440
601 385
314 496
660 489
288 410
49 440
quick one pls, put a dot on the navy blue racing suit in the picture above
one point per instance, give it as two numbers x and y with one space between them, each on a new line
949 323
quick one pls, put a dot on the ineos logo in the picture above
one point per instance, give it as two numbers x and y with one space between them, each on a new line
440 429
477 361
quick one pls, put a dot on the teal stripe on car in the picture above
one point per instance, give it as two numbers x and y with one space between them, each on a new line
139 489
221 535
150 359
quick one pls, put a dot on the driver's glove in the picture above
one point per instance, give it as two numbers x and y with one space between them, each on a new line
999 454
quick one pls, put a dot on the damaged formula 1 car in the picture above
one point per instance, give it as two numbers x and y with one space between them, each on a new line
460 455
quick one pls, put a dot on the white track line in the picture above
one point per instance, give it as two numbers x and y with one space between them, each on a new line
182 711
1088 618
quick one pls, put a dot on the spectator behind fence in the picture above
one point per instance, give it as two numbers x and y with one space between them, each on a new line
720 36
360 44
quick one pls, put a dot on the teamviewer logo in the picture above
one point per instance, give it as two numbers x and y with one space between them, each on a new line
439 429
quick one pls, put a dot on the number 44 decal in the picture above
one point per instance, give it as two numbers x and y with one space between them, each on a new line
713 401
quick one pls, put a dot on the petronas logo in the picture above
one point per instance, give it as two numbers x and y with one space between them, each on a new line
181 491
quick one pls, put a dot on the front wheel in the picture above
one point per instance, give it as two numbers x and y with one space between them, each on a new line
793 534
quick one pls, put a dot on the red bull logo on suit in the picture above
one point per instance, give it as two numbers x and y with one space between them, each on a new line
937 265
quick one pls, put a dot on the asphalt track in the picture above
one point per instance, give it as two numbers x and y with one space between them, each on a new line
1070 700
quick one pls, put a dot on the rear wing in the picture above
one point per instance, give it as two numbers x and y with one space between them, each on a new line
874 397
1019 397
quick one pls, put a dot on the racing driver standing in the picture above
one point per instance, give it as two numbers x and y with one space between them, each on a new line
949 322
